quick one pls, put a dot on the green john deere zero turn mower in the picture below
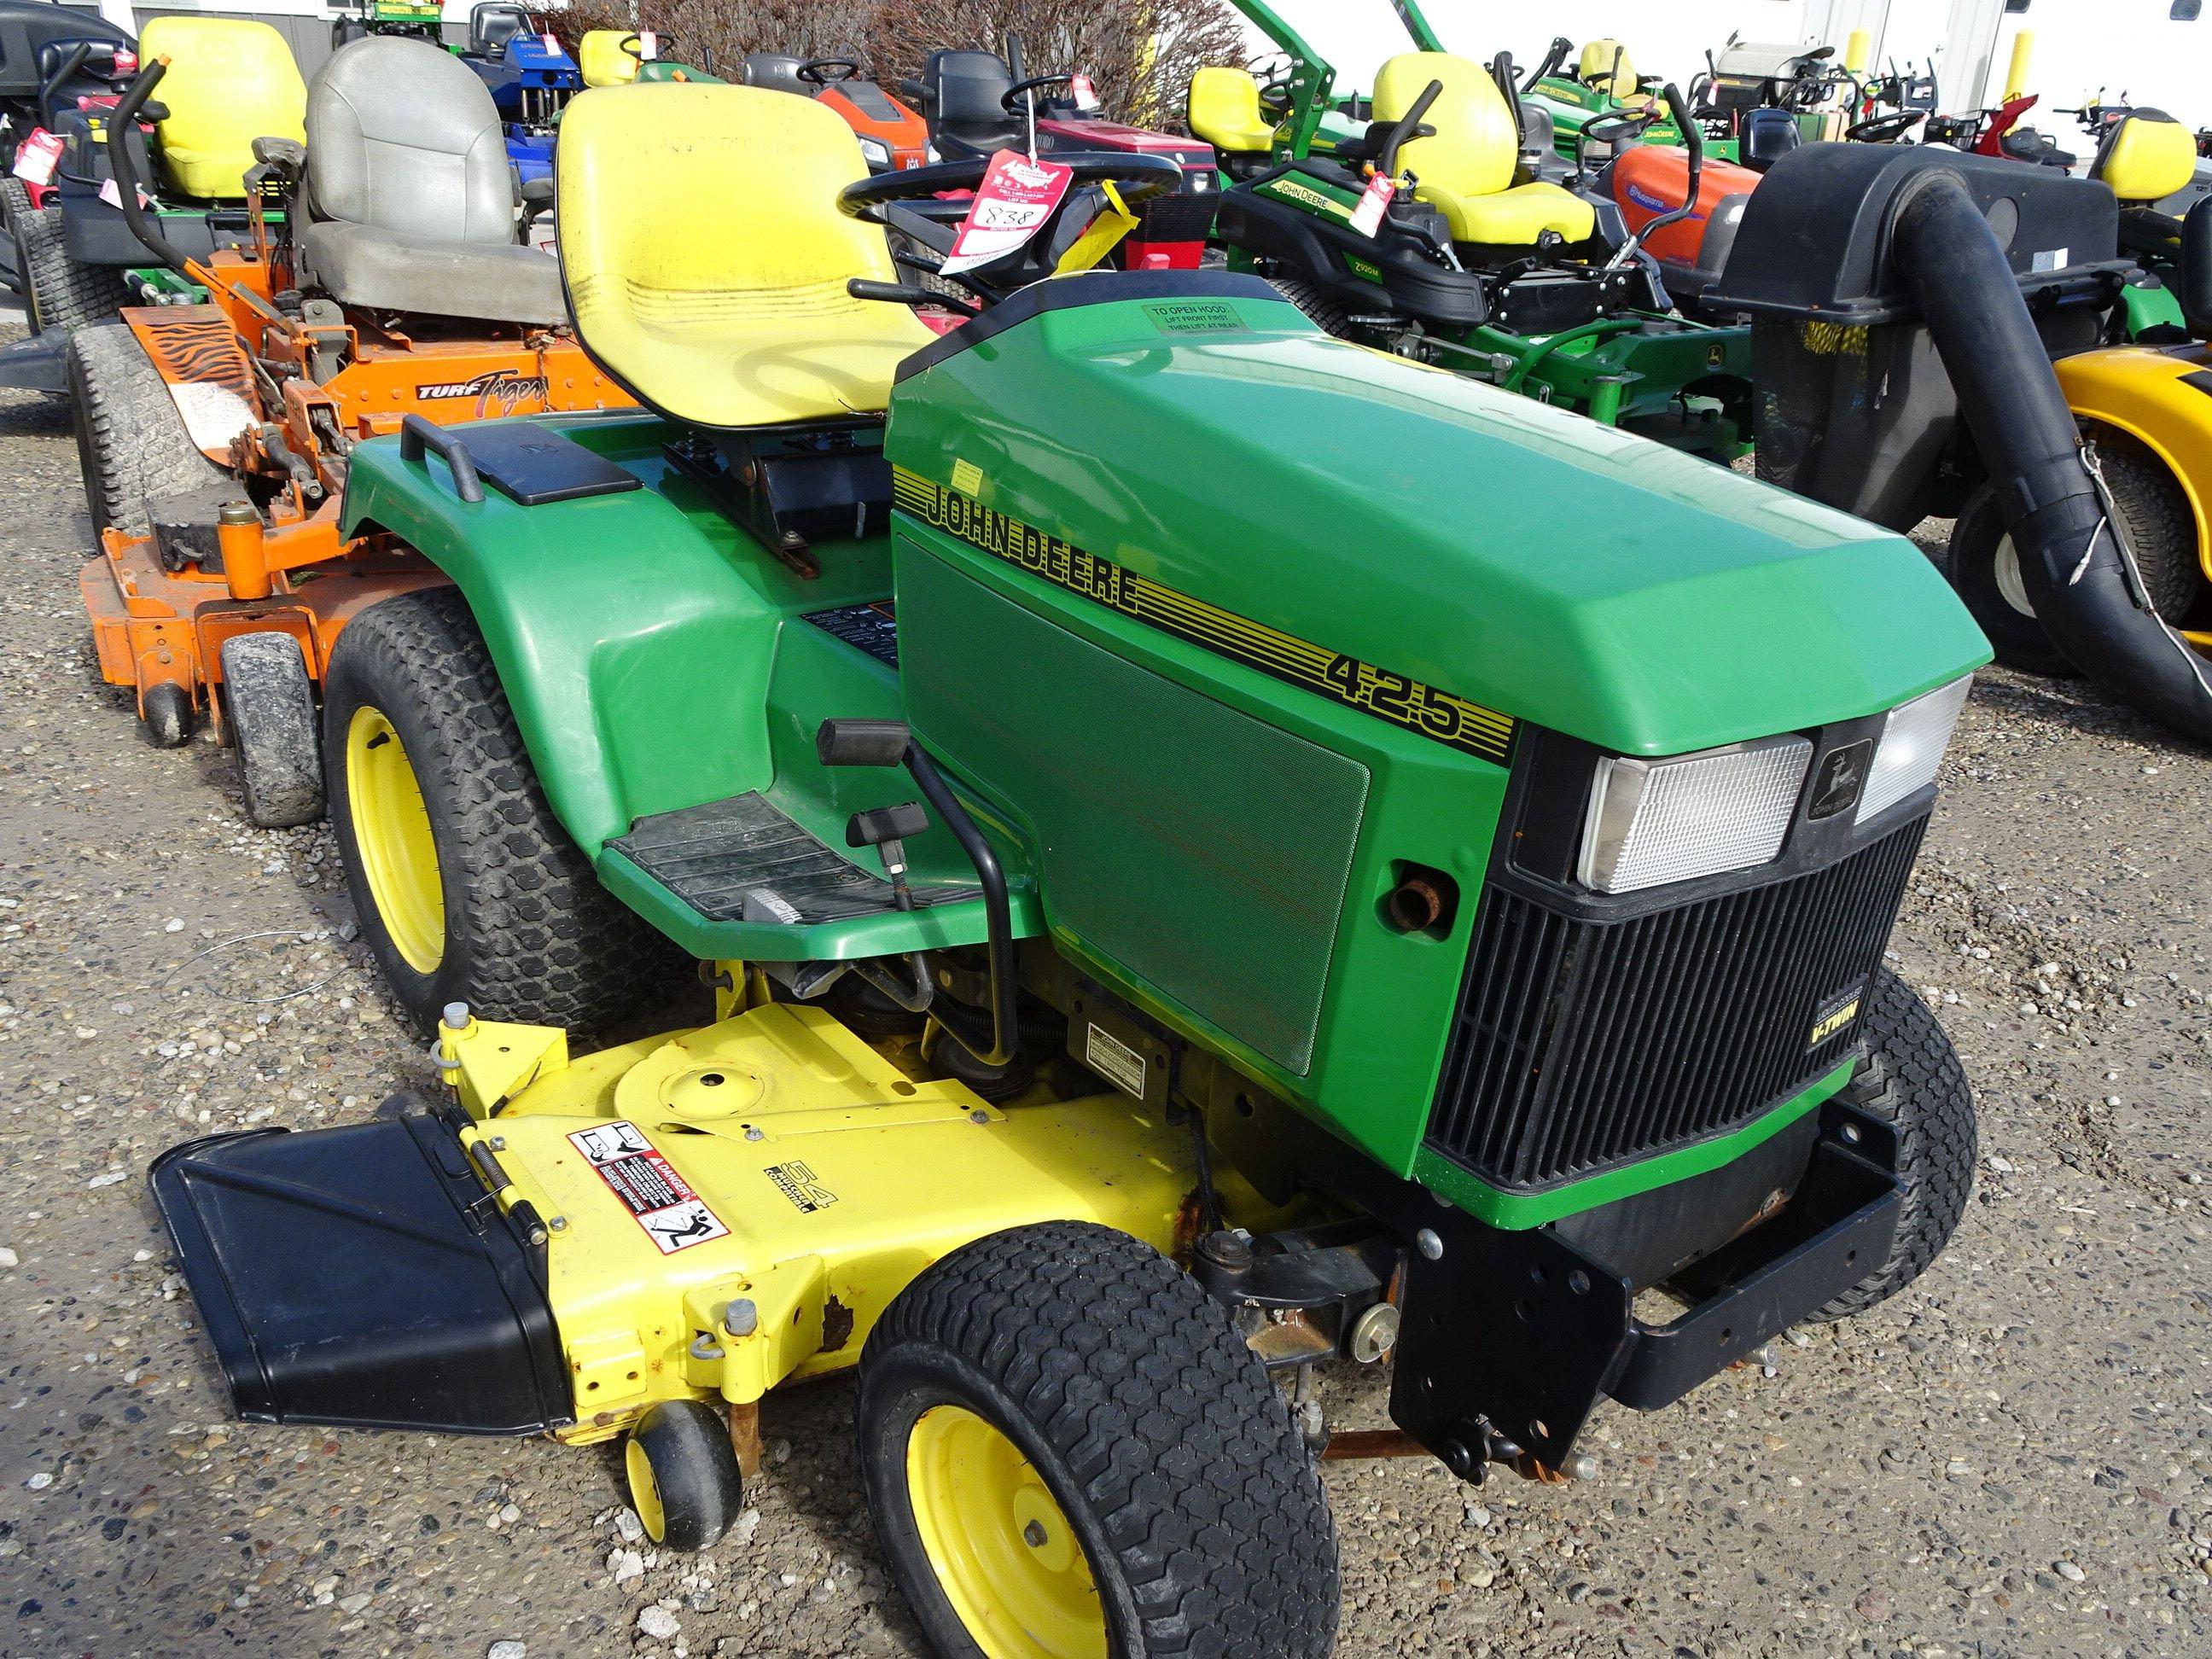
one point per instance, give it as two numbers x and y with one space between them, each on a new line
1218 851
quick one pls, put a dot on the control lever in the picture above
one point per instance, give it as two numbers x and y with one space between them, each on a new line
886 829
891 742
909 293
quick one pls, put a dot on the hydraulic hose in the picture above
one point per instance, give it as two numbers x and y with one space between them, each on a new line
2079 575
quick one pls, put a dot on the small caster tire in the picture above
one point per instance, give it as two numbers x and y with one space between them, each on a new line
684 1478
165 715
271 703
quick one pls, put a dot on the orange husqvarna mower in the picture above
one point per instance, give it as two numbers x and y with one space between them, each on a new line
215 438
892 136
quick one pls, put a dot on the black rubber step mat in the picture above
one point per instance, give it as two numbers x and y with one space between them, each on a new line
714 855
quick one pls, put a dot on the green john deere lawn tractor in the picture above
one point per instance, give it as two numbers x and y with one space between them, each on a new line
1217 852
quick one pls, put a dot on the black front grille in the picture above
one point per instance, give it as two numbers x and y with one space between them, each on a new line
1581 1044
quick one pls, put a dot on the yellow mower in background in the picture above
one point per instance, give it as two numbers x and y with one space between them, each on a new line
2146 421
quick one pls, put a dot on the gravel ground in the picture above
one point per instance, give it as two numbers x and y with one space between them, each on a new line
2013 1457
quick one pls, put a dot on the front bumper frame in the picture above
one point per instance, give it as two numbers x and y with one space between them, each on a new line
1510 1338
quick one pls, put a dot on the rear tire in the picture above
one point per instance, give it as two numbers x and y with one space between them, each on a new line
14 201
1327 314
271 704
1067 1449
130 441
468 888
1913 1082
2161 531
2155 516
62 293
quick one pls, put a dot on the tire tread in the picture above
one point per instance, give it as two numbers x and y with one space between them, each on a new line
1912 1081
1182 1446
536 938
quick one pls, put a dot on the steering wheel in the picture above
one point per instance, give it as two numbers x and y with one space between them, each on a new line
1609 130
815 70
1885 129
635 44
1136 177
1007 102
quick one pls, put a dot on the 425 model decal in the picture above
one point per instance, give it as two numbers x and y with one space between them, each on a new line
1398 698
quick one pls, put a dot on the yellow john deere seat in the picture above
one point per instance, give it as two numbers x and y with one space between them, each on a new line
705 260
1224 111
601 60
1605 65
2145 157
228 82
1465 170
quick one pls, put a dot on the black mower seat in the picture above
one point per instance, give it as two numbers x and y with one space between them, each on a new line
410 205
777 71
964 95
492 24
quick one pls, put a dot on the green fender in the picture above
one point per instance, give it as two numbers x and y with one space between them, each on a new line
624 630
655 659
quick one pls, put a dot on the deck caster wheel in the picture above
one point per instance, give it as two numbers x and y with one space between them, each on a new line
1068 1451
271 703
164 715
683 1472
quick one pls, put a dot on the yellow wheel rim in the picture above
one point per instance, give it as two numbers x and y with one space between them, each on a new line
392 833
645 1491
1003 1550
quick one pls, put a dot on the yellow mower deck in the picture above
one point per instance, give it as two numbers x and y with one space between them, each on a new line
776 1160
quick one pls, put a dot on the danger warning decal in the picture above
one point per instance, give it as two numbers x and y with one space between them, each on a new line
1397 698
673 1215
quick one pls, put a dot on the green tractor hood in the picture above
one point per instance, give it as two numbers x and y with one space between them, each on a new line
1198 430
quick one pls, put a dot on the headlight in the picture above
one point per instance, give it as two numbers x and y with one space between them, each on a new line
1913 737
1200 182
1654 821
877 152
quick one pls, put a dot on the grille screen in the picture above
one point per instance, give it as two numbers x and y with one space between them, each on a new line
1580 1045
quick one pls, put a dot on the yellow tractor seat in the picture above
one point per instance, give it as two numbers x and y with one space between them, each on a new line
1509 218
706 261
1466 170
1224 111
2145 157
1605 66
602 60
228 82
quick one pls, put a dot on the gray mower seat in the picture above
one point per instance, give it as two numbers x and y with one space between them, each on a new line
410 203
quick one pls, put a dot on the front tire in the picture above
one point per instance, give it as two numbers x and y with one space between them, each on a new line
271 705
1068 1451
468 888
1913 1082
